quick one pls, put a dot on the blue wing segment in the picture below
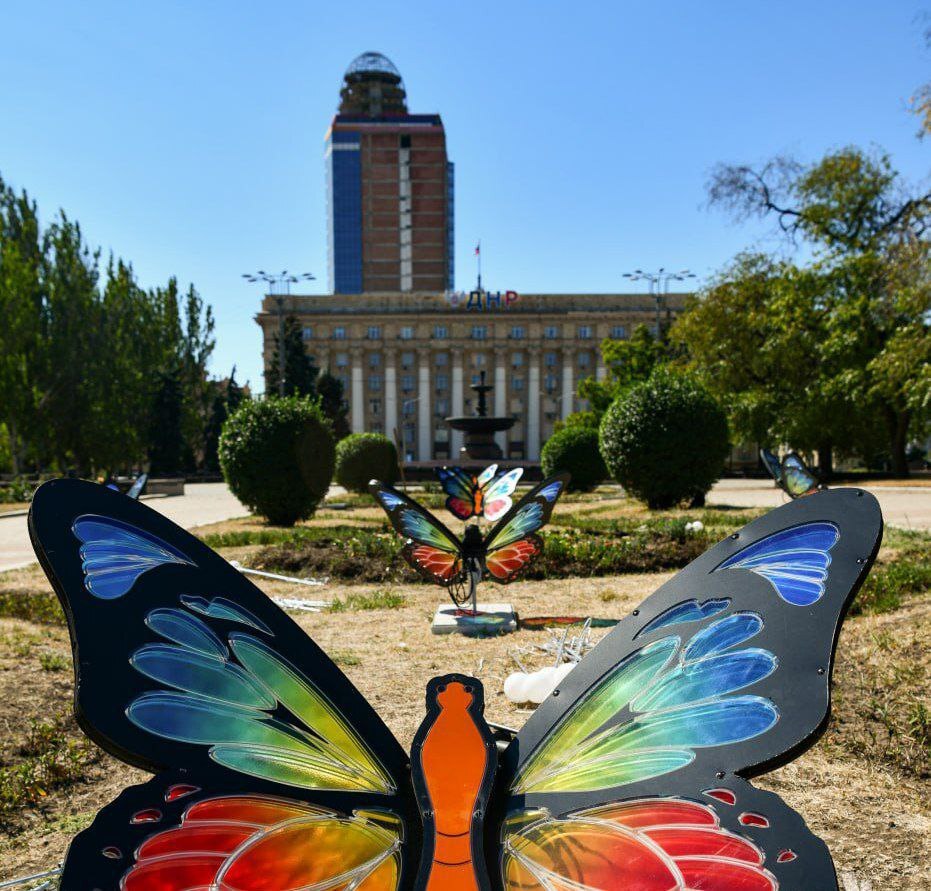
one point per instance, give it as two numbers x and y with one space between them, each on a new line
687 611
115 554
389 500
674 698
794 561
221 608
182 628
552 491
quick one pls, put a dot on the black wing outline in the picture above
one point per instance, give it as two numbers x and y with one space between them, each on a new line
106 632
803 638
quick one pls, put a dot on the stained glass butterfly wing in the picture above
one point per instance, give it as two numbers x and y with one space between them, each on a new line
496 496
797 478
772 464
637 767
268 760
462 488
513 543
430 548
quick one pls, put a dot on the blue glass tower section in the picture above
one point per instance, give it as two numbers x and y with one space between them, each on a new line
344 205
450 225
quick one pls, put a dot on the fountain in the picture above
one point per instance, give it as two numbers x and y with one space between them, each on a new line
480 429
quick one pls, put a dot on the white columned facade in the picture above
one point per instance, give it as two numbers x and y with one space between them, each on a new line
358 397
424 403
391 393
501 358
532 446
458 406
568 383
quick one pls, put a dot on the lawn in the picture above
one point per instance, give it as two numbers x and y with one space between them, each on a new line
864 788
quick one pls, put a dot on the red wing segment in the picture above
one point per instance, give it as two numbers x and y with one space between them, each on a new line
460 508
506 563
433 564
290 847
648 845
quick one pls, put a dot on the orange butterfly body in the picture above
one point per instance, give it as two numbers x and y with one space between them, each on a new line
454 762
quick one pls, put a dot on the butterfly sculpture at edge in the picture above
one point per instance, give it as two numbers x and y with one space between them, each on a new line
487 495
459 565
273 773
792 474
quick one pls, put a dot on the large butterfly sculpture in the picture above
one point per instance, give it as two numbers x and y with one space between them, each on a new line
272 772
459 565
791 474
487 495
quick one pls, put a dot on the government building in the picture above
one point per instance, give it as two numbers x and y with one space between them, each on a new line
406 346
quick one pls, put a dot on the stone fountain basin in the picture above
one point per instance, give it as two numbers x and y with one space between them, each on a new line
472 424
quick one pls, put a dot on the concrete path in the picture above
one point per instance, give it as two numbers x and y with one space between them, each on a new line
908 507
201 503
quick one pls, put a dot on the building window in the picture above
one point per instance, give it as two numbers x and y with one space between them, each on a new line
342 360
479 332
442 407
375 382
551 360
408 408
406 333
374 360
407 382
618 332
551 383
343 382
442 382
339 333
442 359
585 332
376 427
517 360
584 360
517 332
307 333
551 332
440 332
375 406
407 360
478 360
374 332
517 383
476 379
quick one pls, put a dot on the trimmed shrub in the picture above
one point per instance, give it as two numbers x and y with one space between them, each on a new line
575 449
665 440
277 456
361 457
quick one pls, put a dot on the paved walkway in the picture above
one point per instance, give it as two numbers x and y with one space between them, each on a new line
908 507
201 503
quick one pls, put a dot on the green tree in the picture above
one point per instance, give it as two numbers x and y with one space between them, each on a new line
830 330
333 402
627 362
21 298
166 434
300 374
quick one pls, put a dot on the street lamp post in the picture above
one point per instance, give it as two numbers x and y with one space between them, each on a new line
279 287
659 285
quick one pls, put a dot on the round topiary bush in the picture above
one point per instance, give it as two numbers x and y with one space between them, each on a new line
361 457
277 457
575 449
665 440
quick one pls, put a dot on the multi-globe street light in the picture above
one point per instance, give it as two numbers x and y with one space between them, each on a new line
279 287
659 285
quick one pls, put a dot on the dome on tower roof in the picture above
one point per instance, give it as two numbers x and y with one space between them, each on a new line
372 87
372 63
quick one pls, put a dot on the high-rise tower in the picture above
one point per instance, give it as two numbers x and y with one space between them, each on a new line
390 188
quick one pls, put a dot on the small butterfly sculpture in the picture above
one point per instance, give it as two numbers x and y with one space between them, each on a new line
485 496
459 565
792 474
273 773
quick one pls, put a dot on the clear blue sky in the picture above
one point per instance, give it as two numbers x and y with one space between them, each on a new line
188 137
